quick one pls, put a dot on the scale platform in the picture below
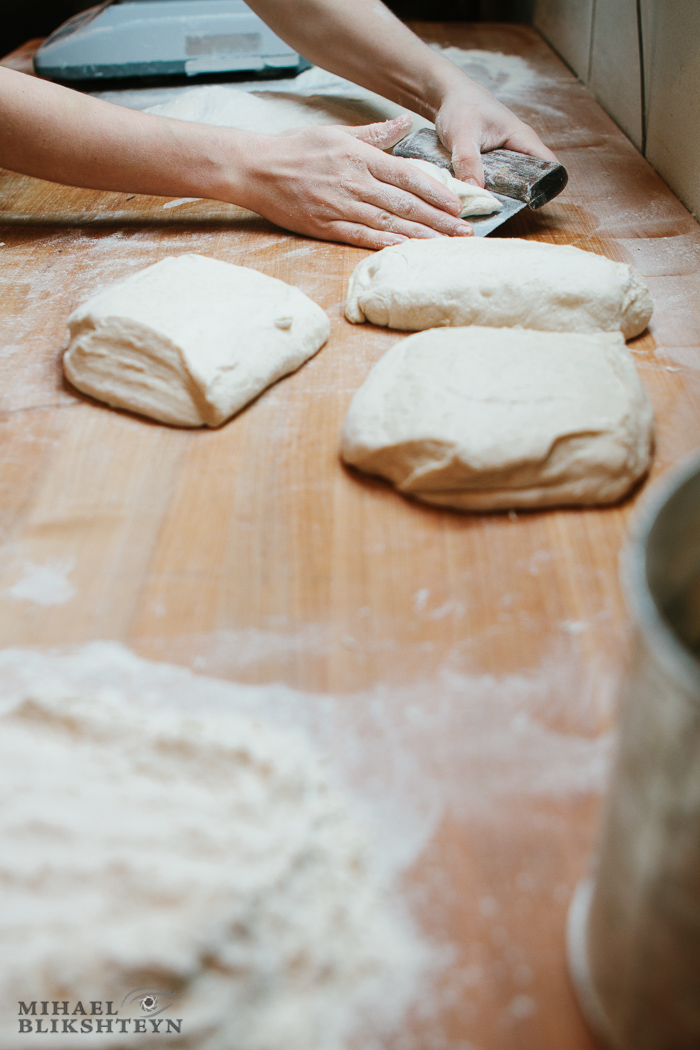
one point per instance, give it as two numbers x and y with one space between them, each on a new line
163 38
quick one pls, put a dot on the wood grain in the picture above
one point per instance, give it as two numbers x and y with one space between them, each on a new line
491 646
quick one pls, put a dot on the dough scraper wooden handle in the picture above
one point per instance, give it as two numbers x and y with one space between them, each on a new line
528 180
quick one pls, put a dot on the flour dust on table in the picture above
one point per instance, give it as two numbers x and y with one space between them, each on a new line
198 858
497 418
191 340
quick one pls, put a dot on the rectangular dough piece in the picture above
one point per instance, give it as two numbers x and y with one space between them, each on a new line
498 418
500 282
191 340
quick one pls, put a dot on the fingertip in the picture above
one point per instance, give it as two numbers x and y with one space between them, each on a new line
385 133
403 118
376 240
454 208
529 142
384 241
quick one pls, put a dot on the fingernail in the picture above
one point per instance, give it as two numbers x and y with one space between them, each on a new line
472 181
465 230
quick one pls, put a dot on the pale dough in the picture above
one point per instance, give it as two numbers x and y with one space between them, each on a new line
475 200
501 282
496 418
273 112
191 340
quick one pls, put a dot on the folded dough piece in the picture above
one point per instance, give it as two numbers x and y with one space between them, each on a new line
475 200
191 340
496 281
494 418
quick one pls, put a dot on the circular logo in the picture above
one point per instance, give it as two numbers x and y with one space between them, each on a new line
149 1003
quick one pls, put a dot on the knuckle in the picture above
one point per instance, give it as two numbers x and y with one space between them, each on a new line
354 160
408 204
364 237
350 184
464 164
385 219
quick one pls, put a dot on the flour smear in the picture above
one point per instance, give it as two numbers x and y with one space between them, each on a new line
46 584
181 833
167 846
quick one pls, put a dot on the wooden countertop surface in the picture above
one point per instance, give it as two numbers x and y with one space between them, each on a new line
484 650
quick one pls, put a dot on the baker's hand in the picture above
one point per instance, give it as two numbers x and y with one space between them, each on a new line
472 121
335 183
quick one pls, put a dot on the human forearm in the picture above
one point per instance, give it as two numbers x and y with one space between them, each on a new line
331 183
54 133
364 42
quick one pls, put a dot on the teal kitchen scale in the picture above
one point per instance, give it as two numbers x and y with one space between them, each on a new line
163 38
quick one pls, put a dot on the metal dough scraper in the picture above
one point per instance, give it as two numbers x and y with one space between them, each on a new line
517 180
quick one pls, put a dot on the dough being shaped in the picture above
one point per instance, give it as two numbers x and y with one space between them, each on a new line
273 112
191 340
475 200
498 282
494 418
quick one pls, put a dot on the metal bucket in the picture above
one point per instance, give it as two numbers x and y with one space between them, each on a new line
634 929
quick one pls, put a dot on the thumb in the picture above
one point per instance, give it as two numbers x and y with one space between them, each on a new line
466 163
385 134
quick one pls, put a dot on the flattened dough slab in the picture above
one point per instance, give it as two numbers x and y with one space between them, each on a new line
497 418
501 282
191 340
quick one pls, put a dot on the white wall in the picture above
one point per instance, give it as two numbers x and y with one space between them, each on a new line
599 40
566 24
673 125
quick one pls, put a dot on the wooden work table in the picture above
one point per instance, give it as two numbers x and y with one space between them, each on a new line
492 644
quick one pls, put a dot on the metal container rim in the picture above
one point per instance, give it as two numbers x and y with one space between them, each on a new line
663 642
